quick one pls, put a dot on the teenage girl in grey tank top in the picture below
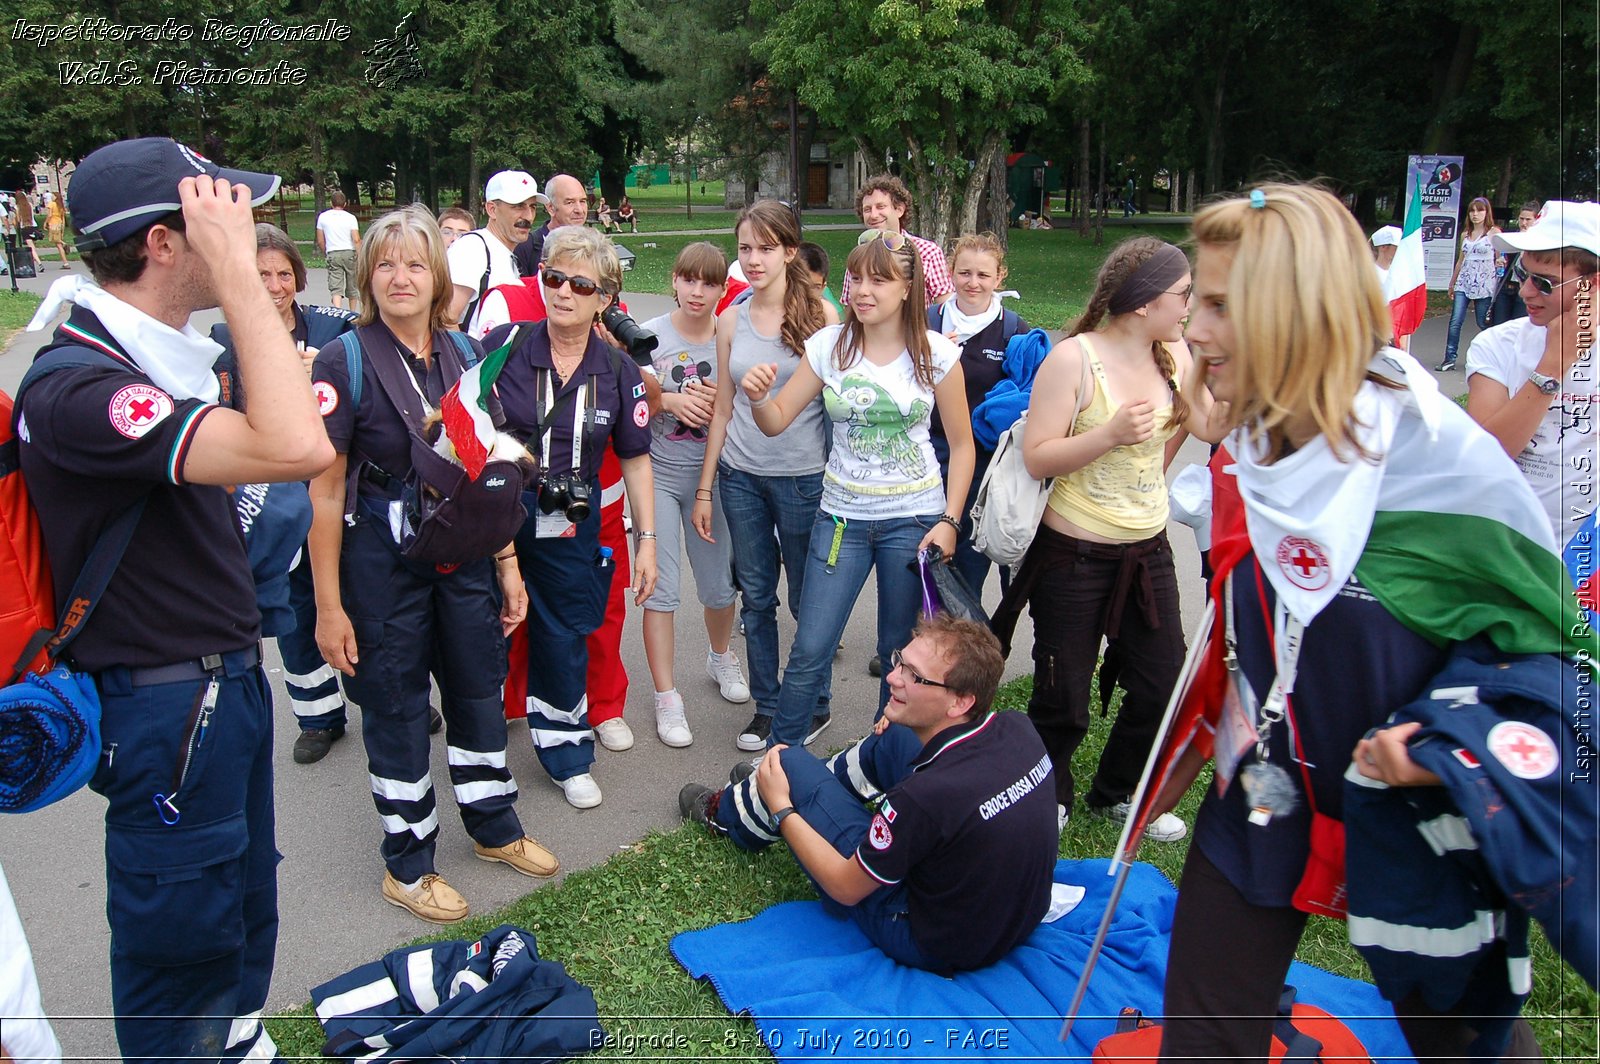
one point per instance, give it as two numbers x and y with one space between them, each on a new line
766 483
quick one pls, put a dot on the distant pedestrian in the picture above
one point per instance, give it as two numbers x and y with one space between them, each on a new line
338 236
1473 281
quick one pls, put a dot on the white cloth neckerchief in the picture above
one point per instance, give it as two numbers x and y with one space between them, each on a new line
963 327
1309 513
178 361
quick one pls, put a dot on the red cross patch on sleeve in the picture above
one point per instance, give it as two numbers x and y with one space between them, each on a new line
138 408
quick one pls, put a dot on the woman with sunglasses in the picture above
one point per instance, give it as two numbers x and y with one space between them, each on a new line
1343 582
880 376
1105 403
388 623
569 395
766 483
1473 280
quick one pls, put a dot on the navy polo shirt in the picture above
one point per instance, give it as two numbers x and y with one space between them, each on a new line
982 367
971 833
620 412
92 441
374 428
314 327
1358 664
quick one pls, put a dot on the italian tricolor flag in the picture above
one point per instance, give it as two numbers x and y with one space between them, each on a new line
1404 286
465 409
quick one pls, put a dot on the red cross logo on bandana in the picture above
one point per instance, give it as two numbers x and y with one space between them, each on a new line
1304 562
138 408
879 834
1524 750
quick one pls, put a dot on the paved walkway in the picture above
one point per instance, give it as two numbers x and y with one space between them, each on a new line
332 917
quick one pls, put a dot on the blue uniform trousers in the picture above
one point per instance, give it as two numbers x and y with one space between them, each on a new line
313 684
831 796
567 590
191 865
411 621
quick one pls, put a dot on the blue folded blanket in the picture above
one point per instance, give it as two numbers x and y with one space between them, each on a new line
816 988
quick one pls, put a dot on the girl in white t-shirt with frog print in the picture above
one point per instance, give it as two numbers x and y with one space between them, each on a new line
881 374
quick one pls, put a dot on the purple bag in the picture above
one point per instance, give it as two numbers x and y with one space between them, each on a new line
943 589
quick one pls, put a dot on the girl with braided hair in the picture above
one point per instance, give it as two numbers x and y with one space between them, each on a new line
1105 404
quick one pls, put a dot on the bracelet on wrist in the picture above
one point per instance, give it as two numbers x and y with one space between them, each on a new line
509 555
951 521
756 404
702 494
644 535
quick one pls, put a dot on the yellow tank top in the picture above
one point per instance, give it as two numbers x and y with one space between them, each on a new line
1122 495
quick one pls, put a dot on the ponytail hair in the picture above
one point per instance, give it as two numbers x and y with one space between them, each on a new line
1123 262
802 304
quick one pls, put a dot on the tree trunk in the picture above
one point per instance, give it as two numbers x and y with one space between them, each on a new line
1083 178
1189 203
1441 131
1214 134
1100 218
318 169
474 189
1503 193
999 220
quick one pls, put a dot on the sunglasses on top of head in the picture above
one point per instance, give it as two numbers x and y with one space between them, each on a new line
581 286
1541 284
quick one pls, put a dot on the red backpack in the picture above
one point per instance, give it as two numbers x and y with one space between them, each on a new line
27 594
1304 1034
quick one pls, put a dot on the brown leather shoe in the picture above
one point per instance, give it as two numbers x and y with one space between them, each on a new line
524 855
432 900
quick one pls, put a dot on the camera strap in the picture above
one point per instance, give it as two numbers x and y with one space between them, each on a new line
549 411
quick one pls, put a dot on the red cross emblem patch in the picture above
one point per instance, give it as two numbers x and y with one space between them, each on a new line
138 408
1524 750
1304 562
879 834
327 397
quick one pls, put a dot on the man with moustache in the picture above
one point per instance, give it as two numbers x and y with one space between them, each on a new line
566 201
482 259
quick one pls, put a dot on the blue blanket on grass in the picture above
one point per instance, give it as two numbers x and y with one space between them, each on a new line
817 989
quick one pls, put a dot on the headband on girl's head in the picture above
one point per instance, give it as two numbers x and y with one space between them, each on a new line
1153 277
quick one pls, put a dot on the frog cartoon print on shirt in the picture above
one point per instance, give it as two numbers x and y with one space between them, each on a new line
683 371
879 432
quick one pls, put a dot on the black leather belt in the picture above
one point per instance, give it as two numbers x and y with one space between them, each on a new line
230 664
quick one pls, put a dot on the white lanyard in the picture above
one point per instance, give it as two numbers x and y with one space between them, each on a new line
1288 636
580 410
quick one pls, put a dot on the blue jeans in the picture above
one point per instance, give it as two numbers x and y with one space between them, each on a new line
834 578
1458 314
754 506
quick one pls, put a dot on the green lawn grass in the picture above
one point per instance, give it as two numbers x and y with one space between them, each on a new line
611 925
16 310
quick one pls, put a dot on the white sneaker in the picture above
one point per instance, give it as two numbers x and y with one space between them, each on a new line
672 726
614 734
724 668
582 791
1164 828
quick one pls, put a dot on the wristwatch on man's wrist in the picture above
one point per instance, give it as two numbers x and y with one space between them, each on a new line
1546 385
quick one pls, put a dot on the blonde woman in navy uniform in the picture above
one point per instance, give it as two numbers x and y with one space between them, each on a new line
569 395
387 622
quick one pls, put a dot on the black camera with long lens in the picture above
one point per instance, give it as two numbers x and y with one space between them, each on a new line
639 342
567 493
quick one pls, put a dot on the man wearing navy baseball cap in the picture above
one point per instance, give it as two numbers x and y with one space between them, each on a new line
120 428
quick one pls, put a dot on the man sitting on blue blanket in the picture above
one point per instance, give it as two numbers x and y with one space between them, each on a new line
936 834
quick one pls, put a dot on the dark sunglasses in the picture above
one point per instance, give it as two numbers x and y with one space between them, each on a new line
581 286
1541 284
896 661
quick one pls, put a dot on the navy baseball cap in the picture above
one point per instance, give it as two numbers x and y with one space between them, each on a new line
123 187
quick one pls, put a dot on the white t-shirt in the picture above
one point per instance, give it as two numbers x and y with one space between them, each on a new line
336 227
1559 461
882 464
470 254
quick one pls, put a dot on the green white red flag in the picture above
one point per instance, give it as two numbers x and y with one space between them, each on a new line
465 409
1404 286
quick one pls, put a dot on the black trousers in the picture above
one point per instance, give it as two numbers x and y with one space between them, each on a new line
1225 971
1079 593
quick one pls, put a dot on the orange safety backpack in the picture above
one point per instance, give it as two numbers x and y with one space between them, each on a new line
1304 1034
